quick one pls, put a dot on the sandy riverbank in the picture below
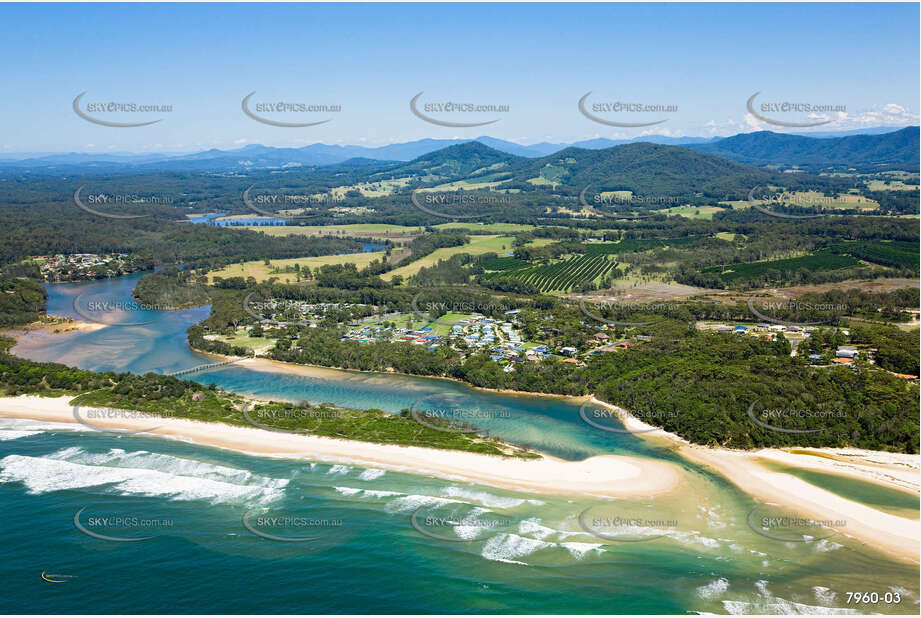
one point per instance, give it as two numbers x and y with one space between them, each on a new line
604 476
315 371
896 536
57 326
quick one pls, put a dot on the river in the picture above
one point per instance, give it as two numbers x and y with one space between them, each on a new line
539 560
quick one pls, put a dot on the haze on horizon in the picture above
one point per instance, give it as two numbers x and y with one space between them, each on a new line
704 62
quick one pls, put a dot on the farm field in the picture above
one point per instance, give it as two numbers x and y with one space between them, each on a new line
258 270
844 201
891 185
371 230
694 212
628 245
888 253
470 185
478 245
499 228
820 260
378 188
564 275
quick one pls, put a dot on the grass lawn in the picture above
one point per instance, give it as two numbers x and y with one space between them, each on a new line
466 185
261 272
893 185
694 212
478 245
356 229
242 338
814 198
499 228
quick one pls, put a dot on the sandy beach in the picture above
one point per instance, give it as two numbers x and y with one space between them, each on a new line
606 476
899 537
56 326
261 363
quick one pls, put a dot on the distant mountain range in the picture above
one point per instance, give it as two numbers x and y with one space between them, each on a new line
896 149
644 169
886 146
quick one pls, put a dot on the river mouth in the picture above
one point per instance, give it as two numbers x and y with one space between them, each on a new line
550 424
717 563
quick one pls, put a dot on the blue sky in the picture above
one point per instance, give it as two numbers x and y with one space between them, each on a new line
371 59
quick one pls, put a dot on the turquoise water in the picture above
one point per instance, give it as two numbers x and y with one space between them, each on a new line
886 499
509 551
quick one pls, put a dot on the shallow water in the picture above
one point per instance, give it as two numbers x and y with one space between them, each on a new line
479 549
890 500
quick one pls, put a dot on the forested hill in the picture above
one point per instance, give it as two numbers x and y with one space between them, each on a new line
50 227
898 149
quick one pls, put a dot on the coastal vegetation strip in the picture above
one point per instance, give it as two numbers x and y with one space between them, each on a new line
169 397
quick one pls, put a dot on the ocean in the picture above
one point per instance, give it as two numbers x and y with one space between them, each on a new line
134 524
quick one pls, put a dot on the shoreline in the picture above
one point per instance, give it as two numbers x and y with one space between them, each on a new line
58 326
263 364
603 476
896 536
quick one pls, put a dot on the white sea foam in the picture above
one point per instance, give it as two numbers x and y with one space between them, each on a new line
580 550
712 516
533 527
468 532
414 501
380 493
824 545
714 589
825 596
339 469
508 547
27 424
370 474
42 475
168 464
15 434
485 498
767 603
366 493
348 491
